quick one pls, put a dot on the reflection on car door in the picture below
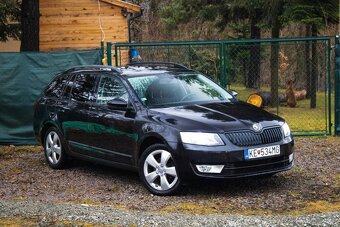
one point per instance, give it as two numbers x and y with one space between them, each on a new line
74 107
112 135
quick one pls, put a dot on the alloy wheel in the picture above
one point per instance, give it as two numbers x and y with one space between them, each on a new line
53 147
160 171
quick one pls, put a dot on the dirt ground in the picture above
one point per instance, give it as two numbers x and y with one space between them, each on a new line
312 186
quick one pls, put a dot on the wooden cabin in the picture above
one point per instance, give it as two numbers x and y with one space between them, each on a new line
83 24
10 45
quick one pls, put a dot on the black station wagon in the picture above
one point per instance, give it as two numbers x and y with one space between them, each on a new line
168 122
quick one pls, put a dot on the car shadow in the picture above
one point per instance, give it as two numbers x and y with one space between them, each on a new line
256 184
104 170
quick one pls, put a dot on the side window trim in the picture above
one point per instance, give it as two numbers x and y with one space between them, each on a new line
70 79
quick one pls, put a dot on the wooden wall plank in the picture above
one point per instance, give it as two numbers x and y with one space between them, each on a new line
81 21
78 12
85 31
66 24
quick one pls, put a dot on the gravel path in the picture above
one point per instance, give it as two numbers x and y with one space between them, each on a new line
47 214
309 194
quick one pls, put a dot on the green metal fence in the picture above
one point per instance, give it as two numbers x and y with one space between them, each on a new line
337 87
271 67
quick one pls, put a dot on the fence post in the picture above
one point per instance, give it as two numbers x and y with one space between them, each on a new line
108 51
221 62
329 87
337 87
224 59
102 52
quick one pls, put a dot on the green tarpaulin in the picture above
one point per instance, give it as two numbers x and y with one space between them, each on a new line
22 78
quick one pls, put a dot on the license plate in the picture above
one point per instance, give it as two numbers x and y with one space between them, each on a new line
252 153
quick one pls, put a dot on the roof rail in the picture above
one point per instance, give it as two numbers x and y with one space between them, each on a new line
94 67
159 64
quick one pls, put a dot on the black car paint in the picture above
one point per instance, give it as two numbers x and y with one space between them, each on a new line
115 137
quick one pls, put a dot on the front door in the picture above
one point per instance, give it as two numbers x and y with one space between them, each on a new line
113 136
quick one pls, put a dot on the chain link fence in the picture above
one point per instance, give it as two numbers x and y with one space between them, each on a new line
201 56
291 77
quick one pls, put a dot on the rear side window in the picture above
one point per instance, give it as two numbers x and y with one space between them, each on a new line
55 88
83 88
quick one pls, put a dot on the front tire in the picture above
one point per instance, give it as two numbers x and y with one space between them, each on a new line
54 147
158 172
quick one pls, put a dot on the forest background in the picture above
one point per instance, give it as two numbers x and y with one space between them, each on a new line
197 20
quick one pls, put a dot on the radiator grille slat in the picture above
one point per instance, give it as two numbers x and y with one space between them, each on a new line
250 138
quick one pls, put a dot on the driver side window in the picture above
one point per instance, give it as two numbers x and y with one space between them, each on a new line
111 88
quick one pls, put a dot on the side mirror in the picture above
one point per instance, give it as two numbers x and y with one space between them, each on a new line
234 93
118 104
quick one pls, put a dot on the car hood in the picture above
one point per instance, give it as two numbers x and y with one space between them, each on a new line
215 117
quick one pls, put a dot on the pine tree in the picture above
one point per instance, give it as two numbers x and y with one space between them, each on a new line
223 13
9 20
315 14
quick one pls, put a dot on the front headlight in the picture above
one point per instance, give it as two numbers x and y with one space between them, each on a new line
201 138
286 129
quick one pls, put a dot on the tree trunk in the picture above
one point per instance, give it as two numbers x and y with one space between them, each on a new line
314 73
30 25
308 63
253 78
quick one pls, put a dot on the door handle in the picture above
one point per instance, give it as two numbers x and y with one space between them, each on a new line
52 115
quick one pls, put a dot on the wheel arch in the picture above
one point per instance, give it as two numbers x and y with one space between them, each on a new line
44 129
147 142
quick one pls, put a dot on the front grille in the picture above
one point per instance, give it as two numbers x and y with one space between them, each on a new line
266 165
256 162
250 138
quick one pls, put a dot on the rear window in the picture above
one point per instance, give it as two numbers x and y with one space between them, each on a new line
55 88
83 88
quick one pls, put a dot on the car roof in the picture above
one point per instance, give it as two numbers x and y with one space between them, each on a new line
136 69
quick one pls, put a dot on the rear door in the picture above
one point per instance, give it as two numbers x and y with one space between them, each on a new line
74 108
45 108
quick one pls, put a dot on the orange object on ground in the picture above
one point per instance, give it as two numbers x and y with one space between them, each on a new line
255 100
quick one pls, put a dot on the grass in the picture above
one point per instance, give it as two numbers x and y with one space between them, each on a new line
308 207
302 119
8 150
189 208
319 206
18 221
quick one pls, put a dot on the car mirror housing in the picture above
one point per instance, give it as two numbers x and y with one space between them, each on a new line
234 93
118 104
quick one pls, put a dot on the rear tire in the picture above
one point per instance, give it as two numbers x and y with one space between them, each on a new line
54 149
158 172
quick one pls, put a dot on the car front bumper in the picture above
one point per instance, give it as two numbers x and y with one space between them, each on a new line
232 158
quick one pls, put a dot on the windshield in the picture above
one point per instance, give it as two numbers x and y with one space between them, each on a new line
172 90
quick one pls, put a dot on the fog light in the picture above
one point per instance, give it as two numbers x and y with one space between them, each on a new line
291 157
210 168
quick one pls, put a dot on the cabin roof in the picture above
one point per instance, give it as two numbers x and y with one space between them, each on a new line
131 8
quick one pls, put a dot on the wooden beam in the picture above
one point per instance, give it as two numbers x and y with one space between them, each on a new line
132 8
